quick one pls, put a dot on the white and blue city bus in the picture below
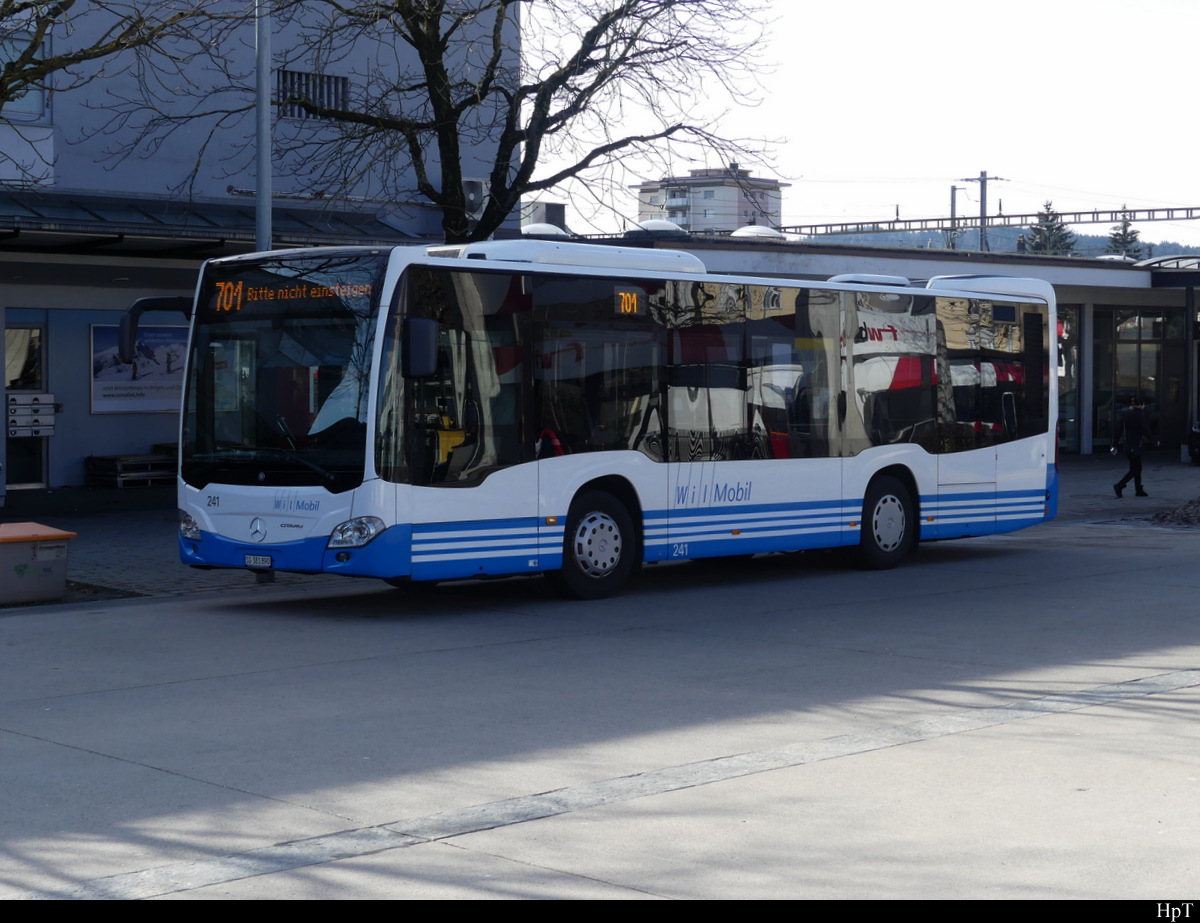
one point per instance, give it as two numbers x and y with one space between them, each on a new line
526 407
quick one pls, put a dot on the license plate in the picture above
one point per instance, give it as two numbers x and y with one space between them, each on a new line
258 560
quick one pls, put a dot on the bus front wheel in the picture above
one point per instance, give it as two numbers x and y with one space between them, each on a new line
889 523
598 547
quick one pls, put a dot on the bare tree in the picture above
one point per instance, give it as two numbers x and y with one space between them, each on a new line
47 45
412 100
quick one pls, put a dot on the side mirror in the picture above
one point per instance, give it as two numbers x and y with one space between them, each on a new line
127 336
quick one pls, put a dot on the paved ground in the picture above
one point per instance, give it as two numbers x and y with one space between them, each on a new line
1003 717
126 538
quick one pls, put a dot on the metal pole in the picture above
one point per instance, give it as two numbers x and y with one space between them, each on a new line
983 241
954 216
1189 360
262 125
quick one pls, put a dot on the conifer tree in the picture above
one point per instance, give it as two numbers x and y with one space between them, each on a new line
1123 239
1049 235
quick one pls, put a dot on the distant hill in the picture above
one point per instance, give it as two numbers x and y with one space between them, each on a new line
1000 240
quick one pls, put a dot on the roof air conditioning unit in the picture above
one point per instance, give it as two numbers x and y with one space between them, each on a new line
475 191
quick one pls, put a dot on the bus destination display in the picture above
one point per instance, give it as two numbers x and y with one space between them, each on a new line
231 297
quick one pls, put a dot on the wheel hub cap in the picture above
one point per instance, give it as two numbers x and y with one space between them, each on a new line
597 545
888 523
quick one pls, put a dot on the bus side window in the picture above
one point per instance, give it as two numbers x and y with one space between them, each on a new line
791 352
598 370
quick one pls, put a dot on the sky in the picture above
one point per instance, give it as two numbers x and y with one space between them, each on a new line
869 106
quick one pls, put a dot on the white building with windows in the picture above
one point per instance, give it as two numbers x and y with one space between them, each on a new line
710 200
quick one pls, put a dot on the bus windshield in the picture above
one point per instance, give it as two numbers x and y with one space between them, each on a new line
279 371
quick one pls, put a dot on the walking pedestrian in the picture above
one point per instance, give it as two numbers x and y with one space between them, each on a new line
1136 435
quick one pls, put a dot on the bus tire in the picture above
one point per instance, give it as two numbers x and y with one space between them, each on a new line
598 547
889 524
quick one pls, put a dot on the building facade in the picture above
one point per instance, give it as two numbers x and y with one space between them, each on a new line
712 200
96 212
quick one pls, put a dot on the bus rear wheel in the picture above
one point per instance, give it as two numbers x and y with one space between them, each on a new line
598 547
889 523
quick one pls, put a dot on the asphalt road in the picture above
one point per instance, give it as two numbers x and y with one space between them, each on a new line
1009 717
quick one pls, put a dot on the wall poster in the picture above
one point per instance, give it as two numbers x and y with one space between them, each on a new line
152 383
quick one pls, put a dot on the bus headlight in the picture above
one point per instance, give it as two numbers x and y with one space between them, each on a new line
187 526
355 533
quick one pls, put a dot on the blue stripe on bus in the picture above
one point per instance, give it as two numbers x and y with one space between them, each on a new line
697 532
446 550
981 513
707 531
692 546
437 551
386 556
211 550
